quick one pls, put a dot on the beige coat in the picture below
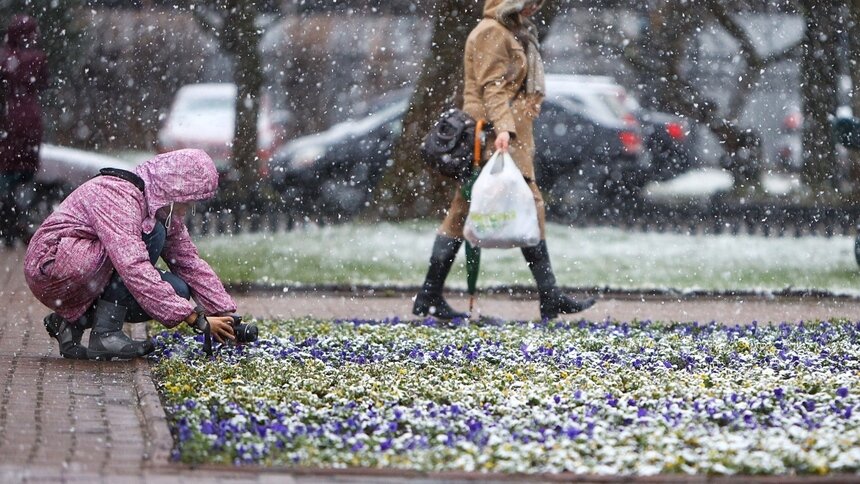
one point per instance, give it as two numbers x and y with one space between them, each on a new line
495 68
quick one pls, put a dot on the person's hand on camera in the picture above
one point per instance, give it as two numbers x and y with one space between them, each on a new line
503 141
221 327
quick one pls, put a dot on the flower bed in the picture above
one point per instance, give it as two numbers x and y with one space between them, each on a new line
583 397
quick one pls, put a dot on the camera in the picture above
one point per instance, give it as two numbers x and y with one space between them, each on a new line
245 332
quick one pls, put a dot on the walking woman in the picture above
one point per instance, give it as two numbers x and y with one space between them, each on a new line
504 84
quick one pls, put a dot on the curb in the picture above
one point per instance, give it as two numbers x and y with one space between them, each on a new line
157 436
522 291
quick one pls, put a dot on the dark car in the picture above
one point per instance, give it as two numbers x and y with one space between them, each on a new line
665 135
667 140
332 172
587 145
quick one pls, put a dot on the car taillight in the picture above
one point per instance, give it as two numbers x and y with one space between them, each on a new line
630 119
676 131
793 121
264 156
631 141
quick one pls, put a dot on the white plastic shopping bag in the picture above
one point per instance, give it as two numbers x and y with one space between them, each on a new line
502 213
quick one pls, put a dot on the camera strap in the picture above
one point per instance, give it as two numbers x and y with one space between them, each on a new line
207 341
126 175
202 326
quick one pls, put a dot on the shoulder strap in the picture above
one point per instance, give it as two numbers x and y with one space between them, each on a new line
125 175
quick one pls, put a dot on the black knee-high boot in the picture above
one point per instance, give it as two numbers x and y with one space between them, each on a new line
429 301
552 301
107 341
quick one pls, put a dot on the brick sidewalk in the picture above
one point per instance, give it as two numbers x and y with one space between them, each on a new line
63 420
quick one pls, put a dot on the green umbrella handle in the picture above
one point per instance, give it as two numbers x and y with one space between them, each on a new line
473 265
473 254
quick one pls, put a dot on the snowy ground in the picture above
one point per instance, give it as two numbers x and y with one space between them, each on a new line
387 254
704 182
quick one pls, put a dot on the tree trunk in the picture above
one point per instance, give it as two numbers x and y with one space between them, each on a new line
852 65
408 189
819 74
239 36
544 19
248 77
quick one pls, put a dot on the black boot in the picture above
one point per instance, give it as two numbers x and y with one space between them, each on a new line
552 301
107 341
68 335
429 301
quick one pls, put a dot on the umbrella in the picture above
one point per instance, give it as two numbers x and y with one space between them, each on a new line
473 254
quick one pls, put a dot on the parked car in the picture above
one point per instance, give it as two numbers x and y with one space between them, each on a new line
588 145
788 147
333 172
67 168
665 135
203 116
667 139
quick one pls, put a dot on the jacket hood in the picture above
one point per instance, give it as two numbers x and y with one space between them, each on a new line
21 31
181 176
502 9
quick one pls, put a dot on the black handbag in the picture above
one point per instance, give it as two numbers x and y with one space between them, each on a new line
449 147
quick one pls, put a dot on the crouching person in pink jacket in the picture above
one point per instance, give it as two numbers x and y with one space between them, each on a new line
93 260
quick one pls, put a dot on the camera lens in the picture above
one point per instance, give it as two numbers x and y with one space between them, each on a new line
246 333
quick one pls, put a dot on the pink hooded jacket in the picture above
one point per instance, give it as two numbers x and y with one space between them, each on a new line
99 228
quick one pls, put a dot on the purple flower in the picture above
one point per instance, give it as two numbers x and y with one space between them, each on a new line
779 393
842 392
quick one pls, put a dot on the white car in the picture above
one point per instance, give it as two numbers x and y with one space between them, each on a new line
203 116
61 170
68 168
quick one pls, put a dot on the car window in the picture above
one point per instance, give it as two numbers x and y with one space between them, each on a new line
591 106
206 104
615 105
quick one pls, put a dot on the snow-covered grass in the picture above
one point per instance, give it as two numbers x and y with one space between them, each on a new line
705 182
397 254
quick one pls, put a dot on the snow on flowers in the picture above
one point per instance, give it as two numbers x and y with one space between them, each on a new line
584 397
